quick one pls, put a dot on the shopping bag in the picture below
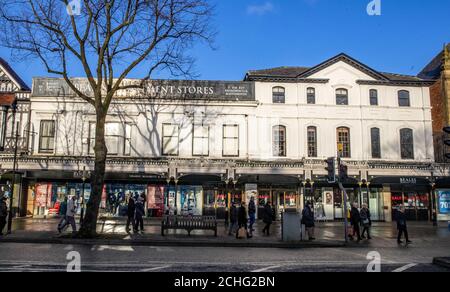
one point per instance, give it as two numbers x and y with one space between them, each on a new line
242 232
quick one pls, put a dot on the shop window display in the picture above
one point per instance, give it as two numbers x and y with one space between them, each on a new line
155 199
190 200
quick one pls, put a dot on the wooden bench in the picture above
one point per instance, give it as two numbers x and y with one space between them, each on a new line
189 223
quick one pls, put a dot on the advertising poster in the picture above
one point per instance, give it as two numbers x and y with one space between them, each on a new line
191 201
44 195
444 201
251 190
155 201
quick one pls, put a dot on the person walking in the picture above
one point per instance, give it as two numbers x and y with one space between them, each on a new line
131 209
366 222
139 215
401 226
62 213
267 218
355 220
242 219
251 215
70 215
308 220
3 214
233 219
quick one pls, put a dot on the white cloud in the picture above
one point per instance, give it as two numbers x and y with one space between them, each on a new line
261 9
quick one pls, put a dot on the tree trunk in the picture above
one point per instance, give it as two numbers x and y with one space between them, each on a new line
89 226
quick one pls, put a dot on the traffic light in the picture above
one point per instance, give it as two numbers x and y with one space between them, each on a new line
343 172
331 169
447 141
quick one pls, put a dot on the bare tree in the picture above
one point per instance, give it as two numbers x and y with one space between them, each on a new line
108 39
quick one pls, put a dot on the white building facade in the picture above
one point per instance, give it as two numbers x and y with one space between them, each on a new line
198 146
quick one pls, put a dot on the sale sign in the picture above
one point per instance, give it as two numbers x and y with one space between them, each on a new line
444 201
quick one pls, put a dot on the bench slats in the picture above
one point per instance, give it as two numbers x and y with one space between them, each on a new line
189 223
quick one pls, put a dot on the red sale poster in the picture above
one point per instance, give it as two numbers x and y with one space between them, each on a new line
155 200
44 195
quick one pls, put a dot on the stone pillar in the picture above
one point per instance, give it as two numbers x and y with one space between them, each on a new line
387 203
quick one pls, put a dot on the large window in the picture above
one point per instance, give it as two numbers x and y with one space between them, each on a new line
171 138
343 142
47 137
200 140
404 98
311 95
407 143
312 142
373 97
279 141
117 138
279 95
230 141
375 143
342 96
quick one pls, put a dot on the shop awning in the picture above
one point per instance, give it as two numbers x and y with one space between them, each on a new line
270 179
402 183
443 182
200 179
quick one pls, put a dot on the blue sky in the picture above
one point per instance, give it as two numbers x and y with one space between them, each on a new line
256 34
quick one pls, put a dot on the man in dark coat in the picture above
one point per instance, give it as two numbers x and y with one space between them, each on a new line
401 226
233 219
267 218
130 213
355 220
3 214
242 219
139 215
251 214
308 220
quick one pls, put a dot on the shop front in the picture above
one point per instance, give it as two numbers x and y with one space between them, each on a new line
414 193
281 191
328 199
48 190
442 195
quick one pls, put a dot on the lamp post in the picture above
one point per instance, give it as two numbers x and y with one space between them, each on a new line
83 178
14 109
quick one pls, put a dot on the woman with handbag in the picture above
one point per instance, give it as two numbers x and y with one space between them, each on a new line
365 221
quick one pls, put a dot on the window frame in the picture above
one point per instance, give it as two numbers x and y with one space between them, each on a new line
278 97
375 143
373 98
312 144
41 136
230 138
124 138
280 144
403 144
340 96
163 136
346 153
310 93
403 98
200 137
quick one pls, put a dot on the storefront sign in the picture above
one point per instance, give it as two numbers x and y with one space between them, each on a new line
408 180
155 89
444 201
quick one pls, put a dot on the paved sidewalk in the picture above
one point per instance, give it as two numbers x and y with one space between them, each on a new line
112 232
